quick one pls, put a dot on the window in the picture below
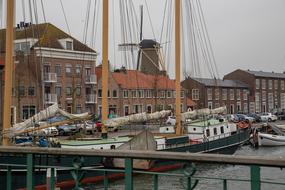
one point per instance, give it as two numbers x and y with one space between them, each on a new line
68 68
275 84
58 70
238 94
115 95
215 131
46 69
134 94
217 94
245 108
270 84
169 94
108 93
78 109
210 105
58 90
22 91
263 95
270 101
137 108
232 95
282 99
209 93
257 102
257 83
148 94
69 45
245 93
182 94
207 132
238 106
222 129
282 84
141 93
126 93
100 93
68 91
126 110
22 46
78 69
217 105
28 111
195 94
263 83
162 94
78 90
31 91
225 94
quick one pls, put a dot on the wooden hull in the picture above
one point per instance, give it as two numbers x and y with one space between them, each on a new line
270 140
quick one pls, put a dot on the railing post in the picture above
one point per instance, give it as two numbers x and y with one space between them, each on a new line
155 182
128 174
30 167
225 185
255 177
106 182
52 179
9 178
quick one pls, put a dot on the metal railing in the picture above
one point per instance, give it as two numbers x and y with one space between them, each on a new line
79 166
50 98
90 99
90 79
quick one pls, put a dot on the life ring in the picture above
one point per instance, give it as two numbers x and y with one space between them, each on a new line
243 125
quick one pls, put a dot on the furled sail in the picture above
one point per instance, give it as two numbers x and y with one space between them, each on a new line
51 111
201 112
136 118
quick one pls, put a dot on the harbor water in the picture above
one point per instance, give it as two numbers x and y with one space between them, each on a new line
145 182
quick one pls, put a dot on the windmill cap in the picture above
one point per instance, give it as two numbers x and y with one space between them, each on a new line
148 43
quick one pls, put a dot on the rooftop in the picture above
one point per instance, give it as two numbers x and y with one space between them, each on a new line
47 34
266 74
221 83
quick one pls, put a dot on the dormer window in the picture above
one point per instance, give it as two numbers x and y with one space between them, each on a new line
24 45
66 43
69 45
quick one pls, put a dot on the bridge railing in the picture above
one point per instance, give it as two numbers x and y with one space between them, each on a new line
31 167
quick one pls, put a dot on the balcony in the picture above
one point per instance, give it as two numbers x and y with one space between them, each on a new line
90 79
90 99
50 77
50 98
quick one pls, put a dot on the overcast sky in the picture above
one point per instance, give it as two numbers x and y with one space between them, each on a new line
245 34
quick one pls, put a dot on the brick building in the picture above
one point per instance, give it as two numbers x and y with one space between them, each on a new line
132 91
213 93
50 66
266 88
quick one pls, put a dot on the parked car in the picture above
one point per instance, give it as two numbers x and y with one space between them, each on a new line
255 116
280 115
51 131
242 117
268 117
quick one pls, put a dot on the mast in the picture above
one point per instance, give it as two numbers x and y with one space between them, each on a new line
105 66
177 68
8 70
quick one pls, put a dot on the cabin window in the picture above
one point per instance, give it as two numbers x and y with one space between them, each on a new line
208 132
166 128
215 131
222 129
194 129
112 147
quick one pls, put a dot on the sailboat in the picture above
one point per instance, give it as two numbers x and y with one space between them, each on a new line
207 136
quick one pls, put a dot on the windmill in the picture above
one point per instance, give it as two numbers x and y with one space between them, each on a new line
150 59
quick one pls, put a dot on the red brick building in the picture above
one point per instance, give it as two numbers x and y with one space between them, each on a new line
213 93
50 66
132 91
266 88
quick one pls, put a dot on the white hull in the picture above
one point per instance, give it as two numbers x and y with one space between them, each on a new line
270 140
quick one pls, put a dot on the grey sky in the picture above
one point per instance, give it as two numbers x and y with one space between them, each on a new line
246 34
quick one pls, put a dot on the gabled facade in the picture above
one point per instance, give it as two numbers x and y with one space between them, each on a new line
267 89
213 93
132 91
50 66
